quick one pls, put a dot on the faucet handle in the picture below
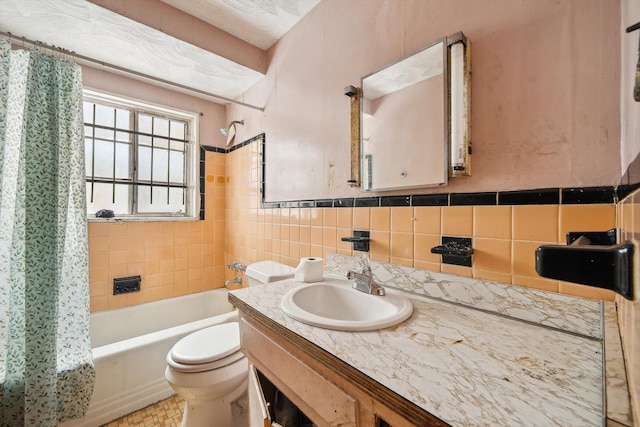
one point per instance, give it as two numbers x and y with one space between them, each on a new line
363 263
236 266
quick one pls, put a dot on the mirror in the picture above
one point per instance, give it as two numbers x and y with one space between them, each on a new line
404 122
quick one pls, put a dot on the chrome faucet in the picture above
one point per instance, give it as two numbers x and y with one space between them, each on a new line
230 281
363 281
236 266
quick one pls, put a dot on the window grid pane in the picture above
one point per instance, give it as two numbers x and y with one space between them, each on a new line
93 148
160 175
113 171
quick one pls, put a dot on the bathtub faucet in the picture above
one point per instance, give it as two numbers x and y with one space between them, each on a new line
236 280
236 266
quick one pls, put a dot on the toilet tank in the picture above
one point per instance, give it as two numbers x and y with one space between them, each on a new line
268 271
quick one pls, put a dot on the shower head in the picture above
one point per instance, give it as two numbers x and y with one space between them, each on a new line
226 131
230 131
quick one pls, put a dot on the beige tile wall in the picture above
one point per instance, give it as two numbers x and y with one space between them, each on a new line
176 258
504 237
628 311
173 258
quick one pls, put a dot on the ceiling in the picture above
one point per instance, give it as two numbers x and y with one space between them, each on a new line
258 22
98 33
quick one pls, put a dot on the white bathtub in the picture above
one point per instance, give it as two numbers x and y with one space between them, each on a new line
130 346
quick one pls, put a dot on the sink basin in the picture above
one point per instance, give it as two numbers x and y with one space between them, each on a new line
334 304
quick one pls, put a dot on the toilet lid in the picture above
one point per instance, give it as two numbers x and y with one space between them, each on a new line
203 367
269 271
207 345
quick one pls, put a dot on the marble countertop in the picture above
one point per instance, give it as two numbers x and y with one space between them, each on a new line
512 356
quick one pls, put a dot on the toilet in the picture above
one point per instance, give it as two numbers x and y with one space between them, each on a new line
207 368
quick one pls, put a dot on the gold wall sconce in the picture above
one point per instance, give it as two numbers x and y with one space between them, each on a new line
230 131
636 86
459 58
354 93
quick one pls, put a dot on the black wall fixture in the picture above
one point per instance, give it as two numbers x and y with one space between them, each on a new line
125 285
590 258
455 250
361 240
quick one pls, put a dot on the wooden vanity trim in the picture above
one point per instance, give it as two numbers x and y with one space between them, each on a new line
383 402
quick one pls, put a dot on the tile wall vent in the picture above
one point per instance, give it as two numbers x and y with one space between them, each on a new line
125 285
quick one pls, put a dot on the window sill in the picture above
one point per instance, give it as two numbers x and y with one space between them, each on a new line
91 219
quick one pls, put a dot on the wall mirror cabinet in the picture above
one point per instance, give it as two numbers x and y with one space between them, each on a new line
414 118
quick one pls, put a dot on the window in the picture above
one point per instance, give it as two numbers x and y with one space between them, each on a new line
140 158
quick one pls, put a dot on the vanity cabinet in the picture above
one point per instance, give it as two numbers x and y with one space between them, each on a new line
499 365
327 390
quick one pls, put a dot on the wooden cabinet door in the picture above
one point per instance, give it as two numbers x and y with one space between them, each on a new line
316 396
258 411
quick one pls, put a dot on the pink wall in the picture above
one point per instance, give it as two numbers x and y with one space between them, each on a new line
545 90
212 116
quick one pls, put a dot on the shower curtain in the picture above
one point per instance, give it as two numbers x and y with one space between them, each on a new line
46 367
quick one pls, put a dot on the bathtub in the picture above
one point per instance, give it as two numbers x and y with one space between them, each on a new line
130 346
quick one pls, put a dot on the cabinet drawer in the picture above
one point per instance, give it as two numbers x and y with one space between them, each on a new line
324 402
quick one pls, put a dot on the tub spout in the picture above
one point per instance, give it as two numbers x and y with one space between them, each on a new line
230 281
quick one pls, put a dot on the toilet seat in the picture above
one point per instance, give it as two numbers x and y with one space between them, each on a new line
207 349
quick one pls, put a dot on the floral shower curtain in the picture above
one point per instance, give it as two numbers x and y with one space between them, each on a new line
46 367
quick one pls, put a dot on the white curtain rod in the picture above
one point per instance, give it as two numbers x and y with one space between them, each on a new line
101 65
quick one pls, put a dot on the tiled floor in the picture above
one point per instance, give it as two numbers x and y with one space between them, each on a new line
166 413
